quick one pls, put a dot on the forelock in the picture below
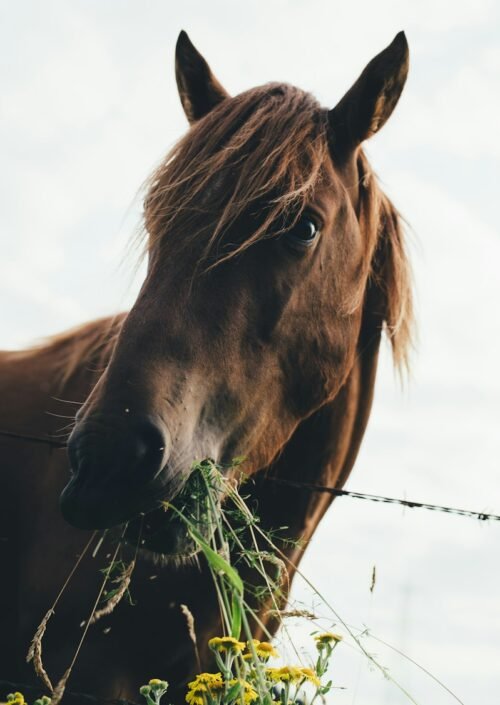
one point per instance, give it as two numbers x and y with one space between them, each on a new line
267 146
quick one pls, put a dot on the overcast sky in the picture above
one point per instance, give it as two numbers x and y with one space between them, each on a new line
88 106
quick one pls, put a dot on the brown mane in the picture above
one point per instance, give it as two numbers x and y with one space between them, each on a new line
390 268
89 344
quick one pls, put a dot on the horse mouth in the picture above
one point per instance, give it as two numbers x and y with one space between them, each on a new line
152 526
159 521
96 497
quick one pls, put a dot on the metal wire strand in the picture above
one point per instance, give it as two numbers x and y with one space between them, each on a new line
481 516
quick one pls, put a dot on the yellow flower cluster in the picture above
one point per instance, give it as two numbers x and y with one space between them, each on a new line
208 684
242 687
204 683
207 681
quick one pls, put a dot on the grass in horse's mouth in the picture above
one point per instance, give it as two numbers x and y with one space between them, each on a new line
163 533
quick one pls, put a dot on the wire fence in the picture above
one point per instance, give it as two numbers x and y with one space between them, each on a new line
411 504
336 492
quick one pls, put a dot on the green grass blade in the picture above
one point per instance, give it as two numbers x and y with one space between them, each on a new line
236 607
218 563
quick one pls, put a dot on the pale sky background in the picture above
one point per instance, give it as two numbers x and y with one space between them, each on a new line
88 106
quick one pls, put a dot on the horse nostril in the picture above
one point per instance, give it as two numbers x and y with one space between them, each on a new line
104 449
150 445
115 465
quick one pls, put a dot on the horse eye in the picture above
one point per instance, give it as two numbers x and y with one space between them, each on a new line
304 232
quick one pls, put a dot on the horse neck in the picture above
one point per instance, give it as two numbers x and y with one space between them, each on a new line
322 451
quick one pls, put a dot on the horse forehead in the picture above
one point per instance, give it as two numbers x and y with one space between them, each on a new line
330 188
346 177
329 184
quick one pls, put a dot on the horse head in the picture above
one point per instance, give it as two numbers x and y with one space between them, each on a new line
268 244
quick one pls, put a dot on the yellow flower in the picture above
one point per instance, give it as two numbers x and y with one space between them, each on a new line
286 674
311 676
225 643
273 674
327 638
249 694
263 649
157 682
16 699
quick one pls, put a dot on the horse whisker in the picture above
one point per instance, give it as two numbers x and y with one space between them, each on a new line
68 401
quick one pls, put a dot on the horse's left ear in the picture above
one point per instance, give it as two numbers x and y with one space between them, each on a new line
369 103
199 90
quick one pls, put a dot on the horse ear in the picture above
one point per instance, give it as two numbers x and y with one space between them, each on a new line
199 90
369 103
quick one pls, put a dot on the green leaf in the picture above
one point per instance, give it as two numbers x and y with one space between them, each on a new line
232 693
325 688
217 562
219 565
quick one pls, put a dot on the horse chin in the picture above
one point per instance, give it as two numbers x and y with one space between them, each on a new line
160 538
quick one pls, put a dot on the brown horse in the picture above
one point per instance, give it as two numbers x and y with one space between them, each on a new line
274 264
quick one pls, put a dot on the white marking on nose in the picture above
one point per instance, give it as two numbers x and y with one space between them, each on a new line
127 411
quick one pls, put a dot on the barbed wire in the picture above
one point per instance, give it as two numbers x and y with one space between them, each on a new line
481 516
336 492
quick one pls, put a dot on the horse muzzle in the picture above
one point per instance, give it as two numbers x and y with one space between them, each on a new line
119 470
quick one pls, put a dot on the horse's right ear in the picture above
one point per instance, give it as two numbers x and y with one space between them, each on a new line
369 103
199 90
